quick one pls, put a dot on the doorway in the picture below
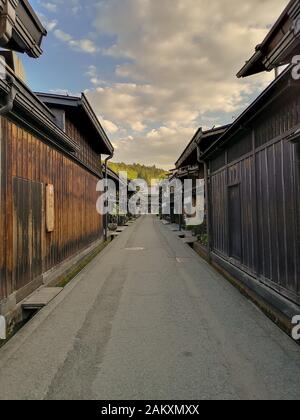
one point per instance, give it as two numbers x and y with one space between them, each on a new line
28 222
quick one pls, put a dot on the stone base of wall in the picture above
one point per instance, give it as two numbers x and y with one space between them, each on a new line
201 250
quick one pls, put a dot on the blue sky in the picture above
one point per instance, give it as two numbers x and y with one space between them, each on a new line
154 70
60 67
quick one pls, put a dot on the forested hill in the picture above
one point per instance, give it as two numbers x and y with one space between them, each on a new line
137 171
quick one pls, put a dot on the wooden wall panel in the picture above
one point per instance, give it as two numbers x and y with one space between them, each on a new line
219 213
278 220
247 182
77 223
242 174
86 154
28 231
270 209
278 118
6 286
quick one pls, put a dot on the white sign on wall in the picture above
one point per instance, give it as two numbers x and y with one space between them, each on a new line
2 328
50 210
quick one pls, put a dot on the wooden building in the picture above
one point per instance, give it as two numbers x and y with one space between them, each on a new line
190 166
254 177
51 149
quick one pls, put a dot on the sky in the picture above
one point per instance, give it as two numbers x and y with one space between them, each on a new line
154 70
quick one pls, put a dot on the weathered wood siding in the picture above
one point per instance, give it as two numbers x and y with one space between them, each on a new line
27 231
86 154
266 169
77 224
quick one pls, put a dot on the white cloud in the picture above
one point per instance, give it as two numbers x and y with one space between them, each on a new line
155 147
82 45
62 36
109 126
50 25
51 7
179 60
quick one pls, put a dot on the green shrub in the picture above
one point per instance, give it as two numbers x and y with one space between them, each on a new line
203 239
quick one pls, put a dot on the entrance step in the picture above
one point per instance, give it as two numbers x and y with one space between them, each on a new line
113 235
41 298
190 240
121 229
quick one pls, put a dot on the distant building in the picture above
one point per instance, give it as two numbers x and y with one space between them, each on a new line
117 215
191 166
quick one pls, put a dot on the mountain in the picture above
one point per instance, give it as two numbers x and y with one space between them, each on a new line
137 171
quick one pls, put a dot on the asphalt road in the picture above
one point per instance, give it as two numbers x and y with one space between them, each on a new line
148 319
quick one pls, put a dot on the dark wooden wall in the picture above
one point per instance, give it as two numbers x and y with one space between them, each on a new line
77 224
86 154
257 180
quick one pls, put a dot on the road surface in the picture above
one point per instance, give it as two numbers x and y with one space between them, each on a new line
148 319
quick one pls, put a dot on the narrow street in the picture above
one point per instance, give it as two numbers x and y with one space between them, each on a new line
148 319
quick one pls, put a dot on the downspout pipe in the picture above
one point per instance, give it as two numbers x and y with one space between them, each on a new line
11 96
208 202
105 177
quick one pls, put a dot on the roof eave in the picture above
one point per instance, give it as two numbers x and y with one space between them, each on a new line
267 56
294 137
247 69
189 149
196 141
28 108
83 103
95 121
112 174
20 29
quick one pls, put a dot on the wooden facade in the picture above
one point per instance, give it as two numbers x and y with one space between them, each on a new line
85 154
252 186
29 164
255 190
50 164
254 175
